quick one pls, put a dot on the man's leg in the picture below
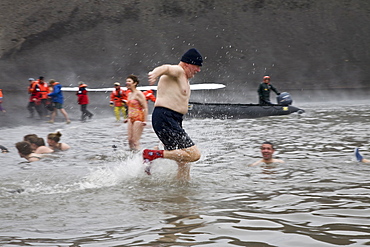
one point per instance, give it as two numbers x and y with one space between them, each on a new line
53 114
117 113
183 172
30 107
84 113
65 115
185 155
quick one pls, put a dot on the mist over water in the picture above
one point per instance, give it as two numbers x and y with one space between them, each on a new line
95 195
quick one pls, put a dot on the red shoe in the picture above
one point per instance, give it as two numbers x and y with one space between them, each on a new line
150 155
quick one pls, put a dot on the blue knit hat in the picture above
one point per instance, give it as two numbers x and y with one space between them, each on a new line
192 56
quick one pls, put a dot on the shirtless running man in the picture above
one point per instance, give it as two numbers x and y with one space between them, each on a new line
173 95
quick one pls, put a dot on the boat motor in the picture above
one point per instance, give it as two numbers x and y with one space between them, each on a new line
284 99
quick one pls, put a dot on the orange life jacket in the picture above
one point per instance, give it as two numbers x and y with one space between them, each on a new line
118 97
42 88
149 95
34 97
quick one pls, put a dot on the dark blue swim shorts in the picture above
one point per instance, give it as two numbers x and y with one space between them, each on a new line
167 124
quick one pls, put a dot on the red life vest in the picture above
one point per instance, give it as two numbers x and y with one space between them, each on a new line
82 97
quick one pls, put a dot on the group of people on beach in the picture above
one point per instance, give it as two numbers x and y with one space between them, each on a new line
33 147
46 97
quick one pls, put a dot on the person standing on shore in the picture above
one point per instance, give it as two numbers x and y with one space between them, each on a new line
34 102
118 100
41 88
1 101
173 95
58 100
83 101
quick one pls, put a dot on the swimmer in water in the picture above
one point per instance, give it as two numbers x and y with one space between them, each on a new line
359 157
3 149
25 151
37 144
267 150
53 142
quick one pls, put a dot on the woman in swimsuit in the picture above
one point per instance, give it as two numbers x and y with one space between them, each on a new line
25 151
137 112
53 141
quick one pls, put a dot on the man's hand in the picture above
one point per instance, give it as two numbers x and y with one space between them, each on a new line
152 77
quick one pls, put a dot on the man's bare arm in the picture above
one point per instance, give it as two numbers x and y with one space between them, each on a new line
169 70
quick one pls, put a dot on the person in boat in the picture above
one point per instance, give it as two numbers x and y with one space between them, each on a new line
267 151
37 144
58 100
83 101
53 142
137 112
264 91
25 151
118 100
359 157
173 95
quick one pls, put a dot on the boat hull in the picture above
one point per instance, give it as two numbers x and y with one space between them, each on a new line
237 111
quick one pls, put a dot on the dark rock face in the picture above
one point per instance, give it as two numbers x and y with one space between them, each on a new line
302 44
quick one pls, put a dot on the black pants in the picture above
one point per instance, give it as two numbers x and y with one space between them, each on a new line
31 108
85 113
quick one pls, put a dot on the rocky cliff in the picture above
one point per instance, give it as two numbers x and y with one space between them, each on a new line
302 44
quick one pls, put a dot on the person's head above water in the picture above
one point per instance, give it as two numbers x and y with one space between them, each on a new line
54 136
24 148
267 150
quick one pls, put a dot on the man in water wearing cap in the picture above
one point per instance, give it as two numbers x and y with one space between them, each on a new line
264 91
173 95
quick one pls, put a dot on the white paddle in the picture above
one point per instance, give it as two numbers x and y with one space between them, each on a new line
203 86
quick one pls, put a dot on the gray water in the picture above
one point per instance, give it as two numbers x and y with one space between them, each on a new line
94 195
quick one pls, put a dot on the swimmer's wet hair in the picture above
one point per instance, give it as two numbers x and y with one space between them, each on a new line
55 136
40 142
30 138
24 147
270 143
